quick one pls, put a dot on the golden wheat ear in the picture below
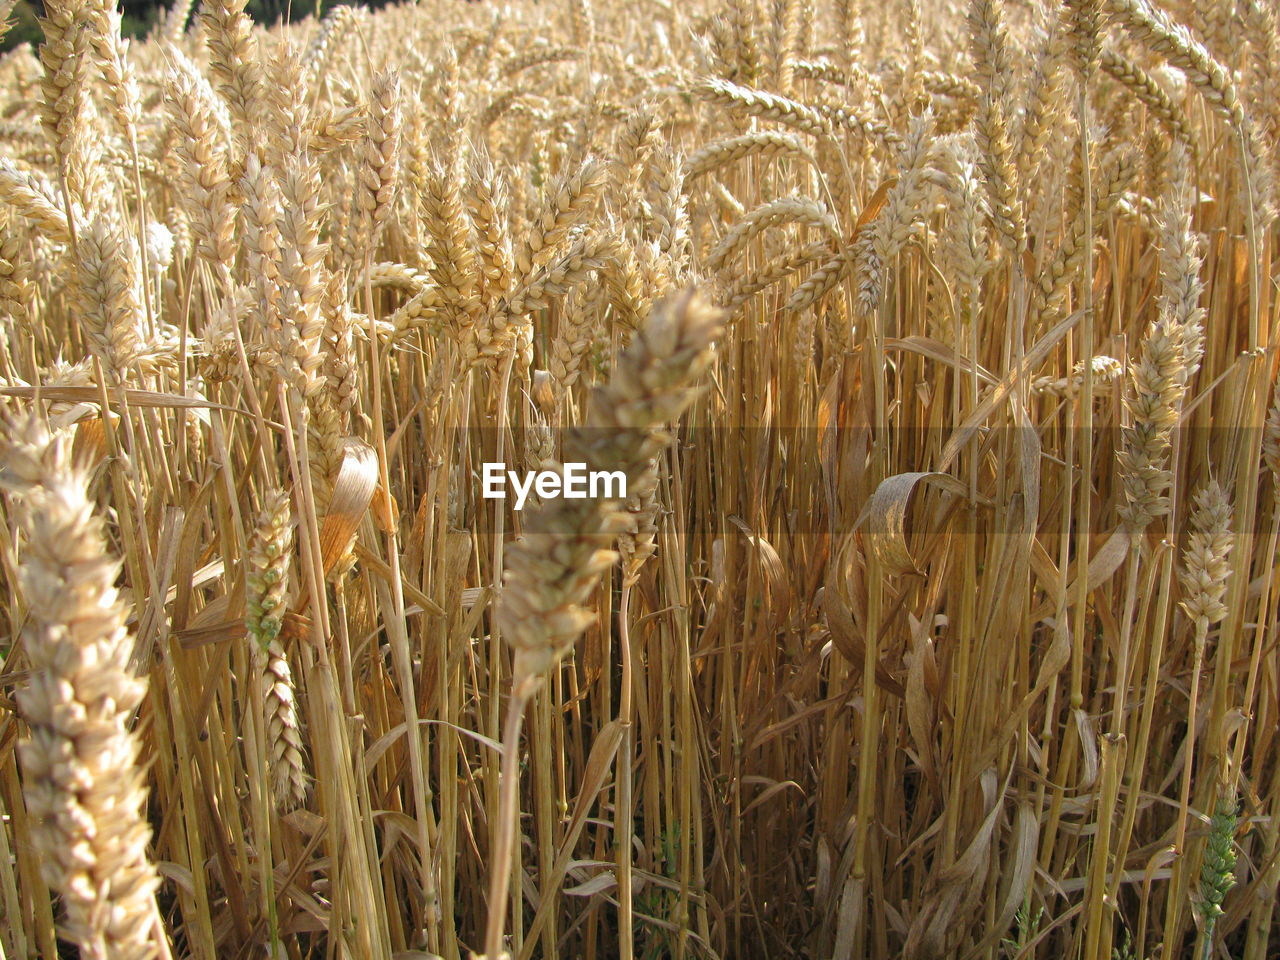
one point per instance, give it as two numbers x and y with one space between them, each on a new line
82 783
568 544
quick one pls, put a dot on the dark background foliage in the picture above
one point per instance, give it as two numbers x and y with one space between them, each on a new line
141 15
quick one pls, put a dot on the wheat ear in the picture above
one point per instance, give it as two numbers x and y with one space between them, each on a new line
109 295
568 543
267 589
82 782
1205 571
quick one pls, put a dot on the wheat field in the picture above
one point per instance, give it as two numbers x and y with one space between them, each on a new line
935 344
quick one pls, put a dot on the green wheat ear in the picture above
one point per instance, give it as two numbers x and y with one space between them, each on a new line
1217 873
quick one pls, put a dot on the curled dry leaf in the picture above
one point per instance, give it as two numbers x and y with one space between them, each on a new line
885 516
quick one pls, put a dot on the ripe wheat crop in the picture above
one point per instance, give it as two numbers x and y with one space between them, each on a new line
935 344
